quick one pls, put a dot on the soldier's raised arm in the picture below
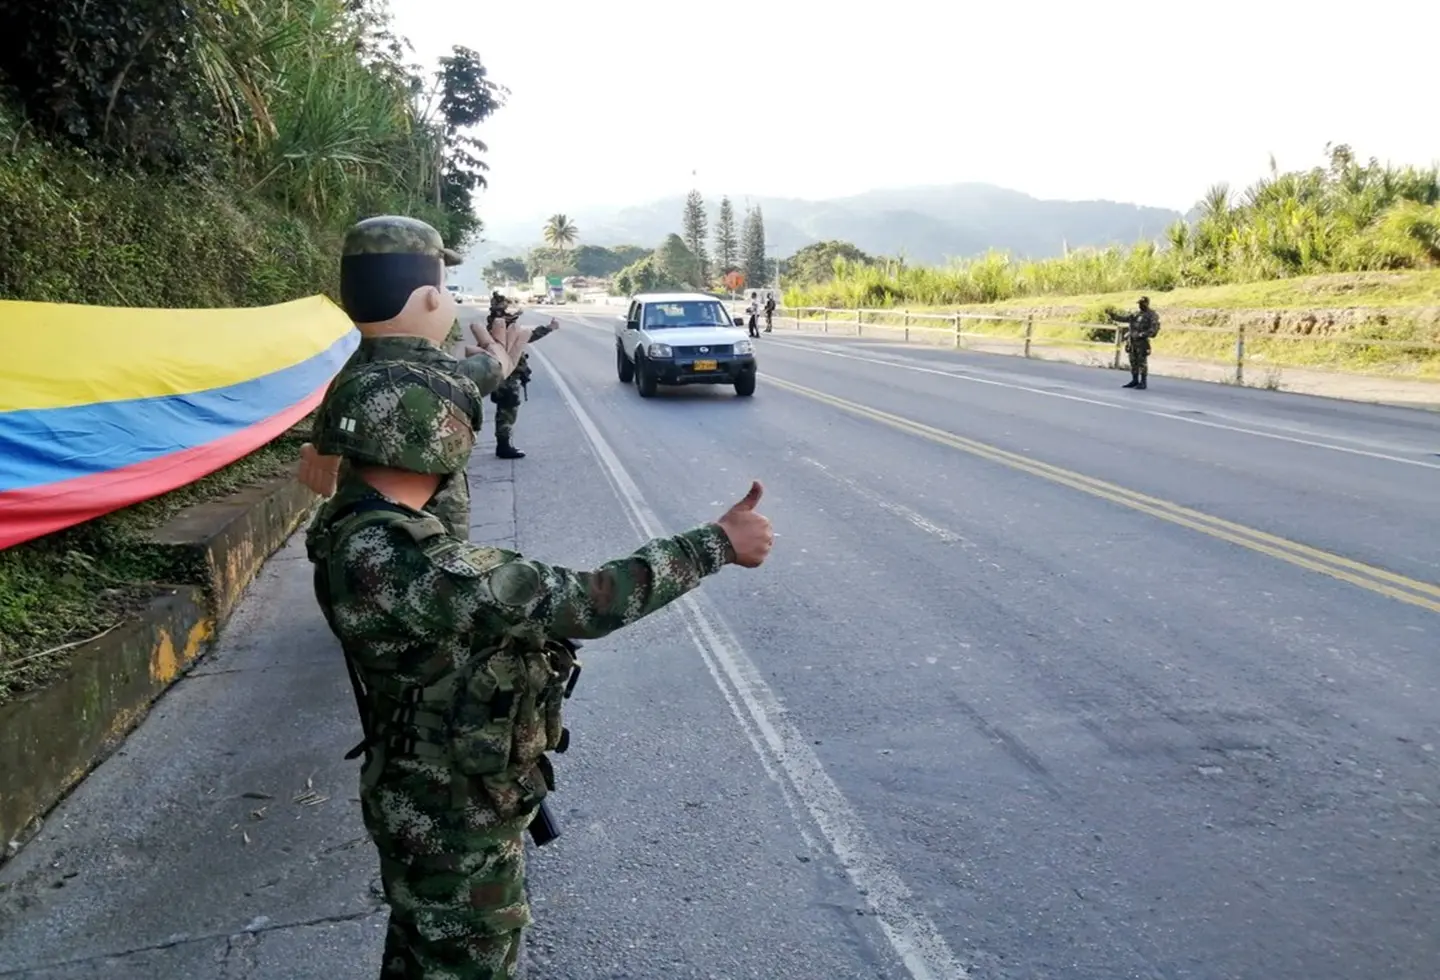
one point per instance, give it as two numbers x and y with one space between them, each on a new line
445 585
544 330
585 605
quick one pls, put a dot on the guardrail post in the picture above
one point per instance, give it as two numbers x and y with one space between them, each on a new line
825 321
1029 330
1240 354
957 331
907 326
1115 362
859 321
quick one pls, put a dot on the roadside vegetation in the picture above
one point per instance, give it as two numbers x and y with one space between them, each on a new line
202 154
1349 251
689 258
692 259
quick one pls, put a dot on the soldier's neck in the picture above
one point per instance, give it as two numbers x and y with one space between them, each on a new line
414 490
391 328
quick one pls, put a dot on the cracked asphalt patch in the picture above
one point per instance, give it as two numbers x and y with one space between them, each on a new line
262 949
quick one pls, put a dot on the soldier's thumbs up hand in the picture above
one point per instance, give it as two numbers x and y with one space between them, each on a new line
748 530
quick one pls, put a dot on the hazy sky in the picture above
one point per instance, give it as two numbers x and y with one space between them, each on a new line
618 102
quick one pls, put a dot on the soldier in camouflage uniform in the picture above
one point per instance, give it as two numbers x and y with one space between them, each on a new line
406 253
1141 327
459 662
507 396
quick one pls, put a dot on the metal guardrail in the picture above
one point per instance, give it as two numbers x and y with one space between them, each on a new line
952 325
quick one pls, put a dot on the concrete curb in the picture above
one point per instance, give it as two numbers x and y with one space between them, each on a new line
52 738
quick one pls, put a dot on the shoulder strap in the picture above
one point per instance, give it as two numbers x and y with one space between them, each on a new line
365 505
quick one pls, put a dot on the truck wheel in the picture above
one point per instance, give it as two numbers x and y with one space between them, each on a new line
623 367
645 379
745 384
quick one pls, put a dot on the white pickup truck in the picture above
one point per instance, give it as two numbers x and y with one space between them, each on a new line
682 339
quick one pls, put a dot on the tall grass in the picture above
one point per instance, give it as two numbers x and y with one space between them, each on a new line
1344 217
304 117
324 115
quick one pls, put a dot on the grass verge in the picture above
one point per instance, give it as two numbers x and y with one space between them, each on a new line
1374 323
65 588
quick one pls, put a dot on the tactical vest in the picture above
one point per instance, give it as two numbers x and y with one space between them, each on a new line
499 711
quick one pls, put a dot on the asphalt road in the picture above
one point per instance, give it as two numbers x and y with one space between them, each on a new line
1044 679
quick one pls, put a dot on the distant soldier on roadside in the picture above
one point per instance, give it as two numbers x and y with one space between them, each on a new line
507 396
752 314
1141 326
392 286
461 657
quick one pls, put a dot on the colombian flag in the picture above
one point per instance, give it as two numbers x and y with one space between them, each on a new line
101 407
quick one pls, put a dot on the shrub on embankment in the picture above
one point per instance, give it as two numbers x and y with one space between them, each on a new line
1346 217
1340 253
199 154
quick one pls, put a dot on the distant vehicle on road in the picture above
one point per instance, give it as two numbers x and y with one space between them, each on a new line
682 339
461 297
548 289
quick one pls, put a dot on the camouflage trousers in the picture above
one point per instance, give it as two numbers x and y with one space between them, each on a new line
506 399
505 418
1139 351
454 876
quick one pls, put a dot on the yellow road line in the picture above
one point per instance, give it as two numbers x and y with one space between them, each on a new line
1379 580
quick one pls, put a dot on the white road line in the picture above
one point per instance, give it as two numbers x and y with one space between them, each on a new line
960 376
879 500
781 746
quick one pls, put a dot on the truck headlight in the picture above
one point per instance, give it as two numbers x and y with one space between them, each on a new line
744 347
659 350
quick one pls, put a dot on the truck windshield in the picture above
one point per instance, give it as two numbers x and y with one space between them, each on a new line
693 313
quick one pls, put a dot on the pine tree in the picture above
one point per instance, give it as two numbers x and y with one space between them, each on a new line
675 260
727 243
694 234
752 250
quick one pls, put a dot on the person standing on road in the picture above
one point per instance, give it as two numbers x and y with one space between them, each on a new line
769 312
392 276
752 312
460 662
507 396
1141 326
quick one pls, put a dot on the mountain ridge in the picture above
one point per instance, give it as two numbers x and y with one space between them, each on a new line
927 224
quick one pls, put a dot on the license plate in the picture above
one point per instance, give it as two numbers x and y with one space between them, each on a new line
706 365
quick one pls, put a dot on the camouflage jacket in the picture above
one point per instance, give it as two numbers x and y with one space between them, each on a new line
482 369
1141 323
465 637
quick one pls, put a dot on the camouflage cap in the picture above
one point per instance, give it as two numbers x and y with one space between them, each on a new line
403 415
393 234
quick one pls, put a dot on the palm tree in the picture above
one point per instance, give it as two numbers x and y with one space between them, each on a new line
560 232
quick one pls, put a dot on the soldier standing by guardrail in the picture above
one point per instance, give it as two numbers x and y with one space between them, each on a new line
1141 326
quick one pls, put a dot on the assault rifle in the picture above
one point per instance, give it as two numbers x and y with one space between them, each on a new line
544 827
